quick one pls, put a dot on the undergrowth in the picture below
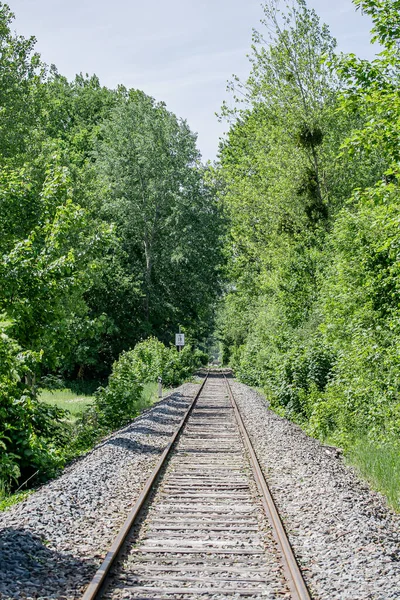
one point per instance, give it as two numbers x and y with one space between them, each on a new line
380 466
7 500
80 421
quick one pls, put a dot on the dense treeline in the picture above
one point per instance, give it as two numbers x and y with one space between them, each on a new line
109 234
309 175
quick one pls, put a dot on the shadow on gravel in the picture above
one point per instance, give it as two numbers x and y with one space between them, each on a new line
150 431
29 569
134 446
156 418
170 415
171 408
173 411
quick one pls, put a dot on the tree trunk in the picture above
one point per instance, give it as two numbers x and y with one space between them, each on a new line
149 265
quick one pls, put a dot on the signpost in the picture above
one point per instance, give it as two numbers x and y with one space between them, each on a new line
179 340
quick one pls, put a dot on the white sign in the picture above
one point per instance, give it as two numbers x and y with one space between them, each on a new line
179 339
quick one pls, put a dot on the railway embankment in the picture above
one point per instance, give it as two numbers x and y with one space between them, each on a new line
51 544
342 532
345 539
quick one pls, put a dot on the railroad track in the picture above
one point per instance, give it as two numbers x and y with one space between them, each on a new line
205 525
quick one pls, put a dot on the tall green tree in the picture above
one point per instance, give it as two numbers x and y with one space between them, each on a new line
167 219
21 72
280 184
359 292
108 232
309 175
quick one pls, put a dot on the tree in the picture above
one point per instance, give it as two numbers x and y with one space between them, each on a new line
320 331
167 218
108 232
359 292
21 73
44 274
372 87
279 183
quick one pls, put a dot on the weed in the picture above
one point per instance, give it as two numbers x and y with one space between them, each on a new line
8 500
380 466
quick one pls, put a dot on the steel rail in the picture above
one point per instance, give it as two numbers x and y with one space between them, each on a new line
95 586
293 574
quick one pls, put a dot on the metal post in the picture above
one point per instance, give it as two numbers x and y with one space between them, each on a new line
160 387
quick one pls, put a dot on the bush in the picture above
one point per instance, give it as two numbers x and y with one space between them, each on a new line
181 365
200 358
121 400
299 379
148 360
32 434
151 360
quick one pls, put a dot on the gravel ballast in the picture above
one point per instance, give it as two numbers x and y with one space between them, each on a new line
343 534
52 543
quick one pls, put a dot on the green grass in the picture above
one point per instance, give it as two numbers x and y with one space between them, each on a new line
150 393
77 403
380 466
6 501
67 400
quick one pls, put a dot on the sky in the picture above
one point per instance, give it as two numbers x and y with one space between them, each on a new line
182 52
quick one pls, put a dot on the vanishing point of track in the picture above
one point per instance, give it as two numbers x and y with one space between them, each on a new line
205 524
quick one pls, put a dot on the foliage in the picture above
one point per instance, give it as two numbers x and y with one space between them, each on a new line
123 399
109 231
148 359
21 73
30 432
120 401
153 187
281 190
44 274
310 180
180 366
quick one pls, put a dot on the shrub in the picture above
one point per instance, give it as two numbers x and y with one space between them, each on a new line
32 434
121 400
181 365
149 359
299 379
152 359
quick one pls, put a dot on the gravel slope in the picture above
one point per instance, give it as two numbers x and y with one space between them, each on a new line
51 544
349 542
340 530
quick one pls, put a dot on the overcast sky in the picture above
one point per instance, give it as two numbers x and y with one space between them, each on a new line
179 51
